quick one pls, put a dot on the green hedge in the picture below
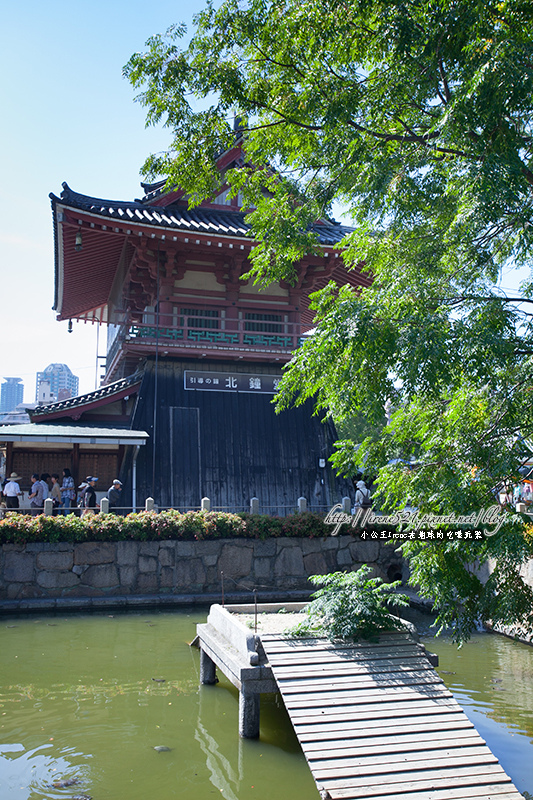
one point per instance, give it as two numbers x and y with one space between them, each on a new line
151 526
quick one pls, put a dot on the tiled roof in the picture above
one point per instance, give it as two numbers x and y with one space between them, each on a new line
71 434
85 399
176 216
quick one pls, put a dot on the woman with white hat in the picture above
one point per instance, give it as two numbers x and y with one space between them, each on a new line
12 491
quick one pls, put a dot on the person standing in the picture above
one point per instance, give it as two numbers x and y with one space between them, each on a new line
12 491
55 492
362 496
68 493
89 497
47 485
36 495
113 494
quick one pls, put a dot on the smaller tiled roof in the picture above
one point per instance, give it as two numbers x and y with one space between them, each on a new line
71 434
105 392
177 216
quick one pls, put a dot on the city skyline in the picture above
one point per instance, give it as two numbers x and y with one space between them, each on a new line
78 124
63 384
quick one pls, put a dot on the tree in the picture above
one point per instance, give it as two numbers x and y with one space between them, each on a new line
417 115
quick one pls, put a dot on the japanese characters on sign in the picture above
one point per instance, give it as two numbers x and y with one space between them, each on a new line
231 382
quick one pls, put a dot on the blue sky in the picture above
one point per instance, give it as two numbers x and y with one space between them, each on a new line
67 115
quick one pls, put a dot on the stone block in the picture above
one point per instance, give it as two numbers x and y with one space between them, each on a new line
167 556
263 568
27 591
147 564
61 560
147 583
210 561
289 562
212 580
315 564
101 576
330 543
186 549
36 547
166 578
344 558
265 549
148 548
190 573
330 557
364 551
13 548
127 553
56 580
209 548
12 591
312 546
128 575
235 560
18 567
93 553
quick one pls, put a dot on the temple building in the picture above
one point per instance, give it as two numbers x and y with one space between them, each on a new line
195 351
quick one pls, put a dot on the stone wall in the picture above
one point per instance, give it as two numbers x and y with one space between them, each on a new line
98 569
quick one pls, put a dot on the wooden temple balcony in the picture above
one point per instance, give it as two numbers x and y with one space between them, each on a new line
270 339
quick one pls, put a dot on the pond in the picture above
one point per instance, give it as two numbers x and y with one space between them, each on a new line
87 698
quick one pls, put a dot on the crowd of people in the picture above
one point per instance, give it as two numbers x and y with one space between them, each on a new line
62 491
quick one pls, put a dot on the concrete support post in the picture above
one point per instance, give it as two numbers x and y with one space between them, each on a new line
149 504
254 509
302 505
206 504
521 508
48 507
208 674
104 505
249 714
346 505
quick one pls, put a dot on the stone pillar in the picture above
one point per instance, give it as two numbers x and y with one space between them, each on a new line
208 668
149 504
48 507
206 504
248 713
254 505
104 505
346 505
302 505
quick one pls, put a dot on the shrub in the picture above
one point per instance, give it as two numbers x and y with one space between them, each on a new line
351 606
150 525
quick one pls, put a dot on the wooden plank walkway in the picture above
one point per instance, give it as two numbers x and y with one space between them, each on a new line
376 721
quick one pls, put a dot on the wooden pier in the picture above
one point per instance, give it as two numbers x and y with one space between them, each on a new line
374 719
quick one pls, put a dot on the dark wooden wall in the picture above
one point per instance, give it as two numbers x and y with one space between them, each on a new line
229 446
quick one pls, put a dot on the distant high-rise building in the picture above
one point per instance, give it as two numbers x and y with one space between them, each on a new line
61 384
11 394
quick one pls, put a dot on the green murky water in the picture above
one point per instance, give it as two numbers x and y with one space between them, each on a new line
492 678
78 701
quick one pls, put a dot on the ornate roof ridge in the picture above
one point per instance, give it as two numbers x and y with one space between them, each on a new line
73 402
215 219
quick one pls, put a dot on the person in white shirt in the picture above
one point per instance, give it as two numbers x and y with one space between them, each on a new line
12 491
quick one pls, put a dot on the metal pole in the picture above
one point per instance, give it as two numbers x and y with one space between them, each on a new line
154 421
134 478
